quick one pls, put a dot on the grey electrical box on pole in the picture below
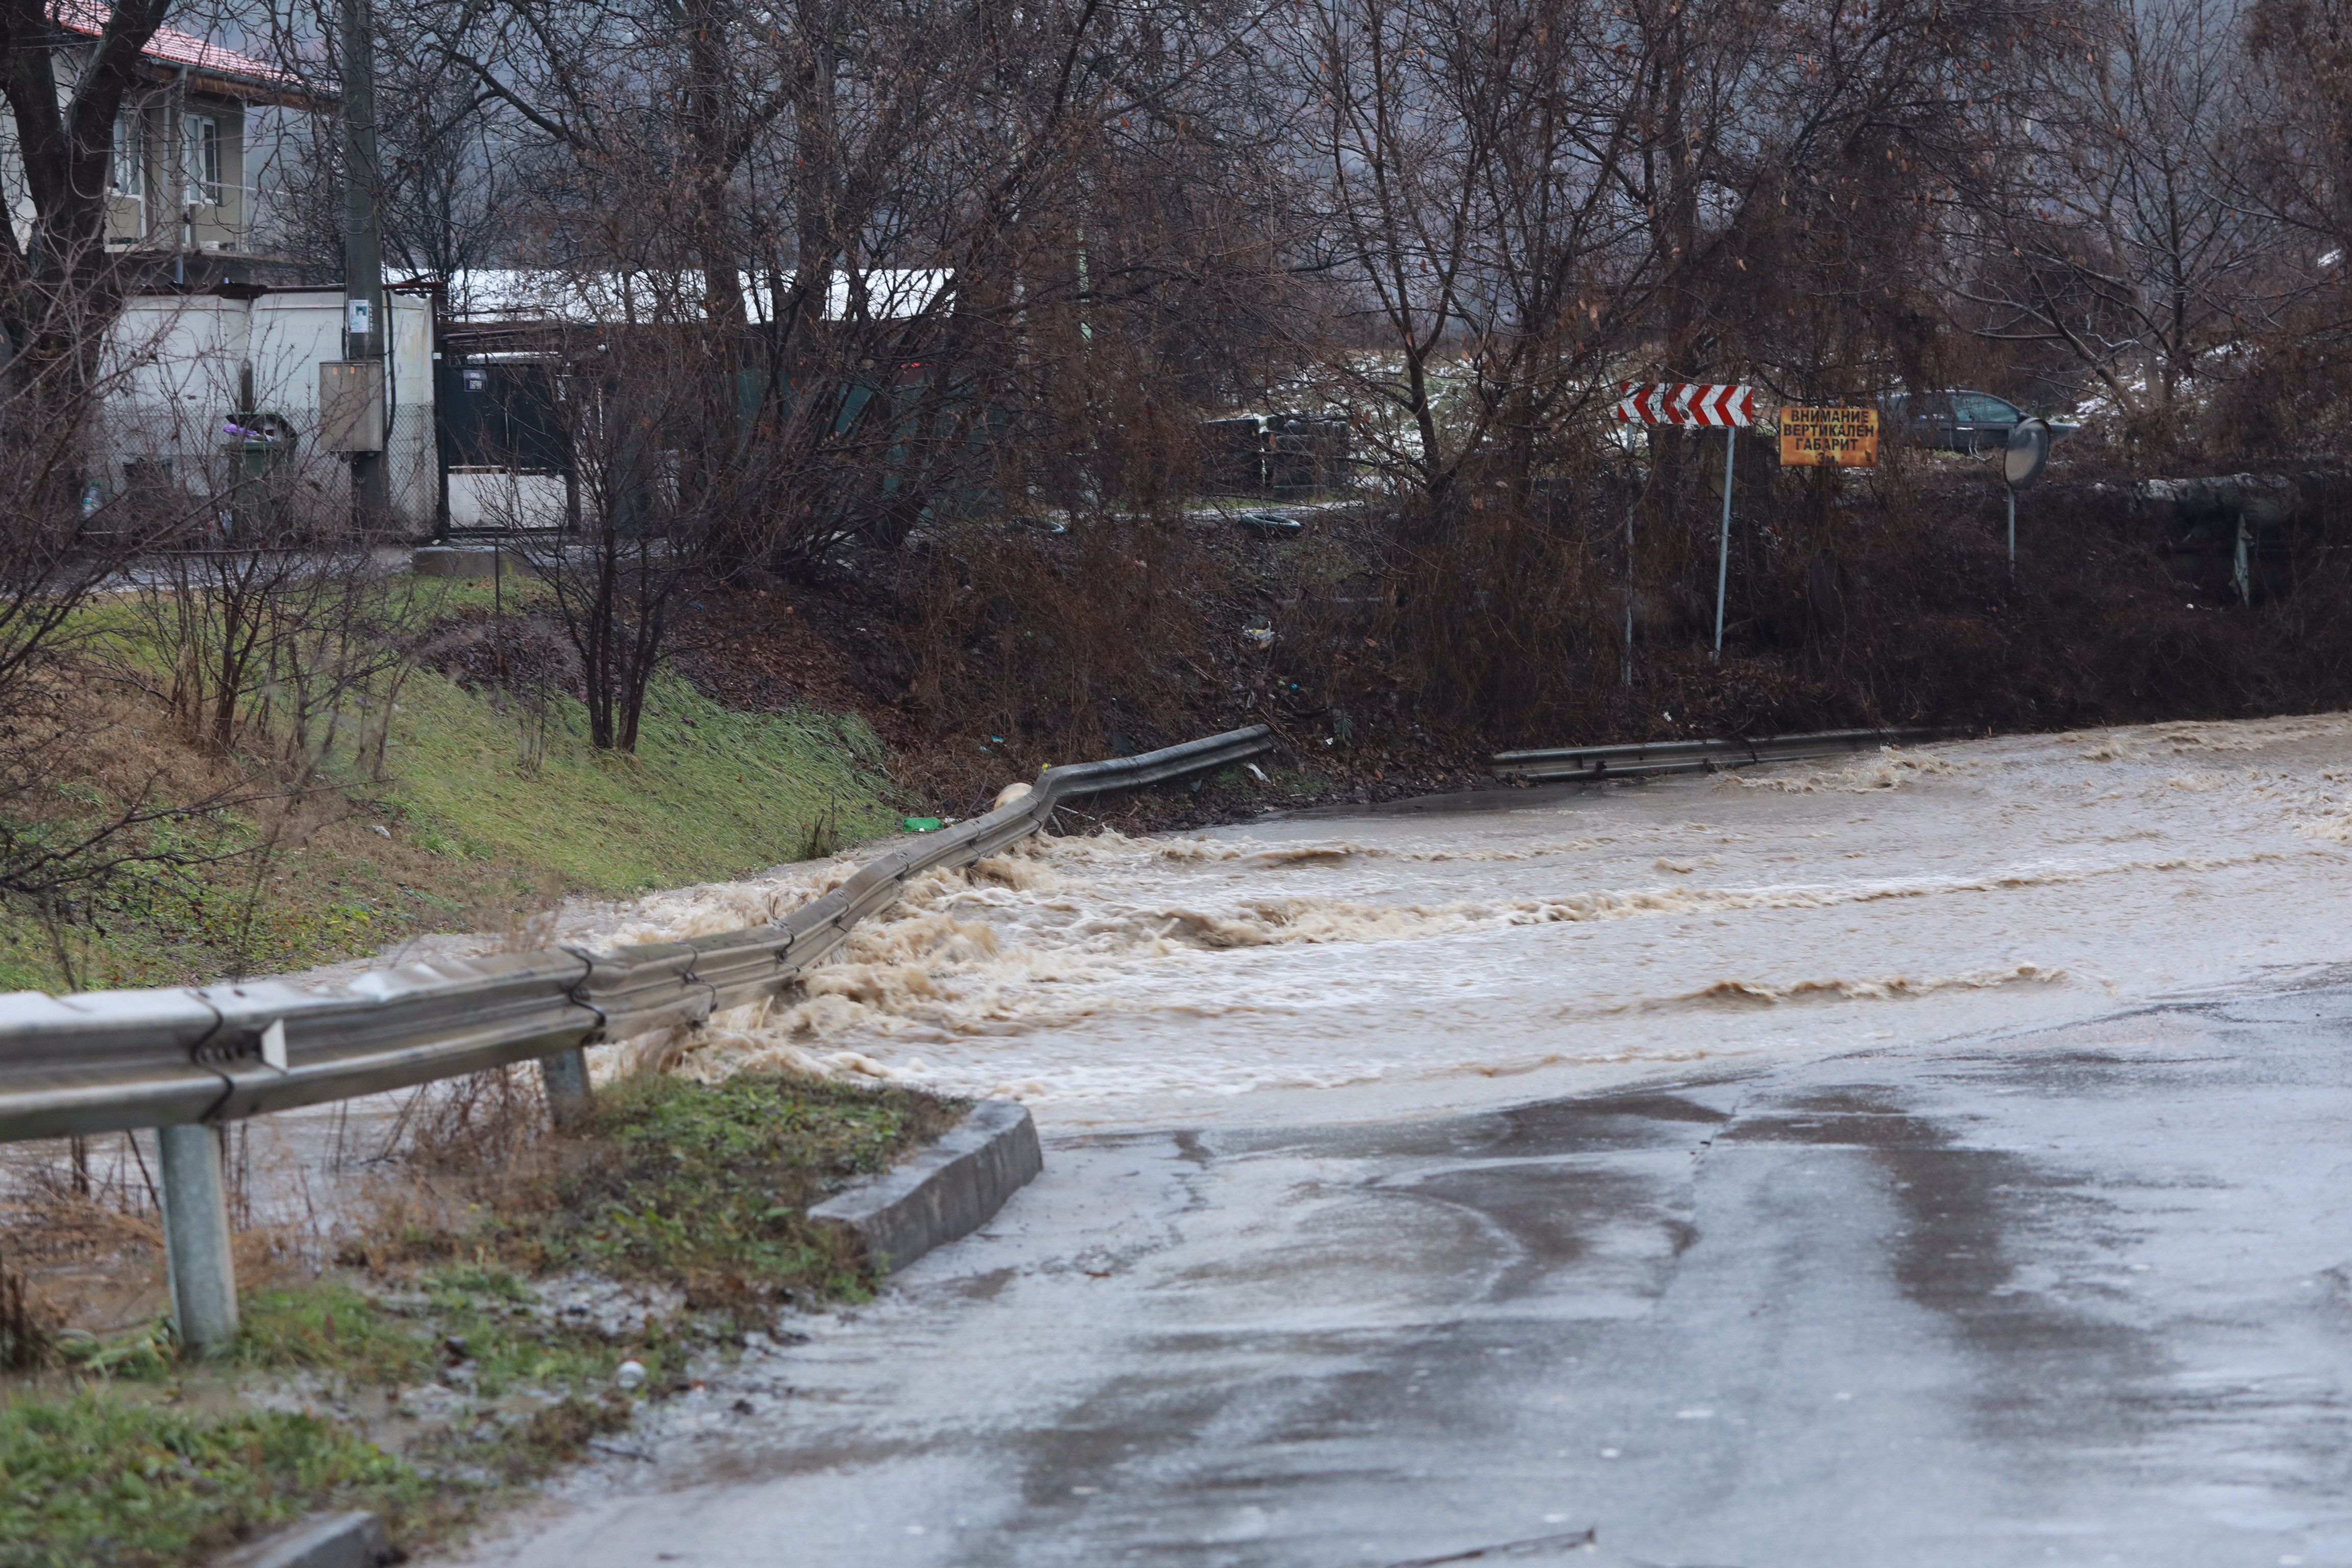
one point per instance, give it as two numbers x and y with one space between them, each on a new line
351 406
364 324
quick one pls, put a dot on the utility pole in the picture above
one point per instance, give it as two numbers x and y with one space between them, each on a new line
365 327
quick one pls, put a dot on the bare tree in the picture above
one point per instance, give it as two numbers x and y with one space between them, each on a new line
2104 219
2295 162
658 454
59 283
1485 218
455 180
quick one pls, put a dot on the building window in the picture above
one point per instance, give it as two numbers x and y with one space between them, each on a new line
130 155
202 133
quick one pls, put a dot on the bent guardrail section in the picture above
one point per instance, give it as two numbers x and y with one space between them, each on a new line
110 1060
1643 759
184 1060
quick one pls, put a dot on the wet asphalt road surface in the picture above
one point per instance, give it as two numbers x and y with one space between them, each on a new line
2076 1297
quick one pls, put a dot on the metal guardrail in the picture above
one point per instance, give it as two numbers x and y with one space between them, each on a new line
183 1061
1566 763
105 1062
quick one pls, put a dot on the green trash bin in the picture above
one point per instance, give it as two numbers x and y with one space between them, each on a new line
261 447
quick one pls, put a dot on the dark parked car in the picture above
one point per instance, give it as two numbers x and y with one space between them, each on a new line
1960 420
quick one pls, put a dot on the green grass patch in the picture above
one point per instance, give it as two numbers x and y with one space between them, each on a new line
473 1325
331 1326
484 1377
115 1473
334 897
710 791
707 1185
93 1480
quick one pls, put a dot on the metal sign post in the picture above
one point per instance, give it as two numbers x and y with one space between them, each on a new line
2028 454
1732 407
1723 548
1633 497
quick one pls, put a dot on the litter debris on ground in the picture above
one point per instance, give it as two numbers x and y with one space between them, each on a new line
1270 524
922 825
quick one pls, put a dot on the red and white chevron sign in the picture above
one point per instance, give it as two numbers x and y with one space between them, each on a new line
1685 403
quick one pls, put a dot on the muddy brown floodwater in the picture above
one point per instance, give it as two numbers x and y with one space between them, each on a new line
1932 1160
1384 964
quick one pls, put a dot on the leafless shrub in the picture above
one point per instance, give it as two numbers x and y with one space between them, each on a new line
483 1121
27 1323
1061 644
262 622
655 460
822 835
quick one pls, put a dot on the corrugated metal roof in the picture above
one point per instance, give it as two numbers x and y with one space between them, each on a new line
585 296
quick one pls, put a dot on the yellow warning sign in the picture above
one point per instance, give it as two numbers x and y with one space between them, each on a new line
1829 437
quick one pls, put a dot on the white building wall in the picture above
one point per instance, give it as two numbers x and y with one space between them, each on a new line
291 333
177 363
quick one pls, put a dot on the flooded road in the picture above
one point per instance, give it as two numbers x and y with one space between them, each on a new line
1932 1160
2081 1296
1398 963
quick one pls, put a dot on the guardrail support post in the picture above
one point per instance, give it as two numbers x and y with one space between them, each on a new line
196 1237
566 1077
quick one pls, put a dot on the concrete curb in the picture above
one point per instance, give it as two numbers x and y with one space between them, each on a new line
468 561
323 1541
948 1189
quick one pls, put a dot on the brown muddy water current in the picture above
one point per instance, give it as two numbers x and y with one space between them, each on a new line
1388 964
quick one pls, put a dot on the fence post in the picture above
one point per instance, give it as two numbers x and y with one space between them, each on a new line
196 1237
566 1077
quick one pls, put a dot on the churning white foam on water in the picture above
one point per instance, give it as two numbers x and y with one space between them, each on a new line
1909 893
1881 988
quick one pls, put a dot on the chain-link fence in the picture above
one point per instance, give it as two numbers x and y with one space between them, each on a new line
221 471
412 461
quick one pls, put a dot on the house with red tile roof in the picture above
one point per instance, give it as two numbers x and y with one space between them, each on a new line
180 184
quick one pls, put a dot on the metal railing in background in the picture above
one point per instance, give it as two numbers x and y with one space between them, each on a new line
1644 758
184 1061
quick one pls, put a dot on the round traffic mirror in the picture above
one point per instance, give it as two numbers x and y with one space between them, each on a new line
2029 451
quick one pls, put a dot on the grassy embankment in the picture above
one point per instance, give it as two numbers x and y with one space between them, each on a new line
480 815
439 1367
427 1366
